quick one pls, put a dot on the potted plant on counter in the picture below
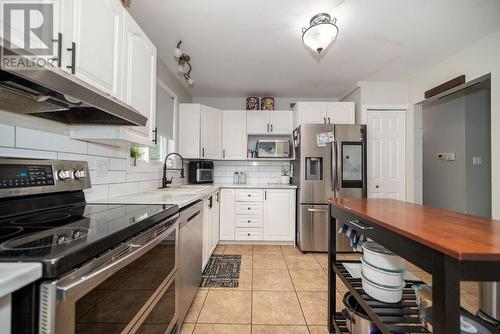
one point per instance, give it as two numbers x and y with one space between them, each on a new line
285 175
135 153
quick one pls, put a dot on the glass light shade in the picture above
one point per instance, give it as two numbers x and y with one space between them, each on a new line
190 82
177 53
319 36
181 68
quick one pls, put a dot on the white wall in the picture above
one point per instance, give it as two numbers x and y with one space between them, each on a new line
476 60
355 96
258 172
238 103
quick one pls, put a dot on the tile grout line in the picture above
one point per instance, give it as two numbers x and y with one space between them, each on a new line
295 290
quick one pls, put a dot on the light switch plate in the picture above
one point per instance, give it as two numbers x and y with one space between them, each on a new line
446 156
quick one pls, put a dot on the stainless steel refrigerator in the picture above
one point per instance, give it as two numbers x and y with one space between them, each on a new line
336 170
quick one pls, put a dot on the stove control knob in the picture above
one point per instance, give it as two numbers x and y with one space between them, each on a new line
63 175
79 174
61 240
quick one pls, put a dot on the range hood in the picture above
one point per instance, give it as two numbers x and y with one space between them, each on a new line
59 96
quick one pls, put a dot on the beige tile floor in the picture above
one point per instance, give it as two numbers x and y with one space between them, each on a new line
281 290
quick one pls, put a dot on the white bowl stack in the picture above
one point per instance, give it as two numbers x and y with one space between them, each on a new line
382 273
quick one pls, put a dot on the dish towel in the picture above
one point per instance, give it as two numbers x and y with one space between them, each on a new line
355 239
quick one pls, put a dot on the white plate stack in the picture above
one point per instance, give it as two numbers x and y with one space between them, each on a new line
382 273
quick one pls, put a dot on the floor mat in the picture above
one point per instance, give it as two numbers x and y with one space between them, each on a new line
222 271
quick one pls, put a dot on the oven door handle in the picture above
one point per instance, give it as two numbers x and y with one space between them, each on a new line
118 259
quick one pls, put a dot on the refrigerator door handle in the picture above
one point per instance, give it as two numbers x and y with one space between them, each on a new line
334 165
339 166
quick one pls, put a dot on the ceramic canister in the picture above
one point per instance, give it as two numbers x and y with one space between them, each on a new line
252 103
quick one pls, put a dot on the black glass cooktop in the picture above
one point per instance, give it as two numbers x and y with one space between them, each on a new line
65 237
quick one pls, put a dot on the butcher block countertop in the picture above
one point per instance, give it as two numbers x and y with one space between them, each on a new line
460 236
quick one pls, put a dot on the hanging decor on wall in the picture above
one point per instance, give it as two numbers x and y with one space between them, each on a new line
183 63
321 32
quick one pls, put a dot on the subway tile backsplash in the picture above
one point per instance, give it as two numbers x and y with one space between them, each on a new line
111 172
258 172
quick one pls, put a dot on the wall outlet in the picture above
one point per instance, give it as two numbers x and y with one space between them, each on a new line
477 161
446 156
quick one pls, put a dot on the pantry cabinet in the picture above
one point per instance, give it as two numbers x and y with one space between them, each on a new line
234 139
96 52
324 113
200 131
278 122
257 215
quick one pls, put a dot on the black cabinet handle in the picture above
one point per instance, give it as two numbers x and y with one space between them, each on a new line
73 58
59 42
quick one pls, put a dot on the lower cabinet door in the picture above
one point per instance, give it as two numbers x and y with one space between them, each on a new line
279 214
227 203
207 221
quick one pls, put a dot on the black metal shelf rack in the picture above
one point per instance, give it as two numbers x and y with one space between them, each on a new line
398 318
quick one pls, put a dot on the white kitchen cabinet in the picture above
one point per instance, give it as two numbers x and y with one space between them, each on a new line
340 112
278 122
279 214
97 34
324 113
234 139
215 222
200 131
257 214
227 218
207 222
139 82
310 113
190 130
211 133
281 122
257 122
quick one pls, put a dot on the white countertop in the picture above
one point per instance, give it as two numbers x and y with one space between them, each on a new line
183 195
15 275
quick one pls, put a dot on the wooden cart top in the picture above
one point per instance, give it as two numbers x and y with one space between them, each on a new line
463 237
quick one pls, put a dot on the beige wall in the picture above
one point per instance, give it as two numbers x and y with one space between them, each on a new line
476 60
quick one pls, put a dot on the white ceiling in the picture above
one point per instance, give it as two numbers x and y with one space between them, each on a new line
241 48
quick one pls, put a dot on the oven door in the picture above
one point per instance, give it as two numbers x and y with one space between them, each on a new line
127 290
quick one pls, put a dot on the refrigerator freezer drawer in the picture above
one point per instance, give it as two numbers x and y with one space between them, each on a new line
313 230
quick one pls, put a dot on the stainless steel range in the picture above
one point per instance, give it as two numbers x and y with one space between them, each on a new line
106 268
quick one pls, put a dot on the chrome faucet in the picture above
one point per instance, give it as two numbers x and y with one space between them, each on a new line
164 181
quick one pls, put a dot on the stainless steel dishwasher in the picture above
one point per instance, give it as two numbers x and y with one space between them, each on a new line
190 252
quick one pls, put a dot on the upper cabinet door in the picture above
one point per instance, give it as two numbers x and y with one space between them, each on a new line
234 138
311 113
189 130
340 112
211 133
257 122
98 49
139 82
281 122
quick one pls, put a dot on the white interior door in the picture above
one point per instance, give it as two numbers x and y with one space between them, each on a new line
386 154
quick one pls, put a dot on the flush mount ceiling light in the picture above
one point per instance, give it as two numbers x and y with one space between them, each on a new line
183 65
321 33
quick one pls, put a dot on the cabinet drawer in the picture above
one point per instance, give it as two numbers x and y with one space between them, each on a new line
249 208
249 221
249 195
249 233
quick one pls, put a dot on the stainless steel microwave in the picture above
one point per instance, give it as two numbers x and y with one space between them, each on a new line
273 148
